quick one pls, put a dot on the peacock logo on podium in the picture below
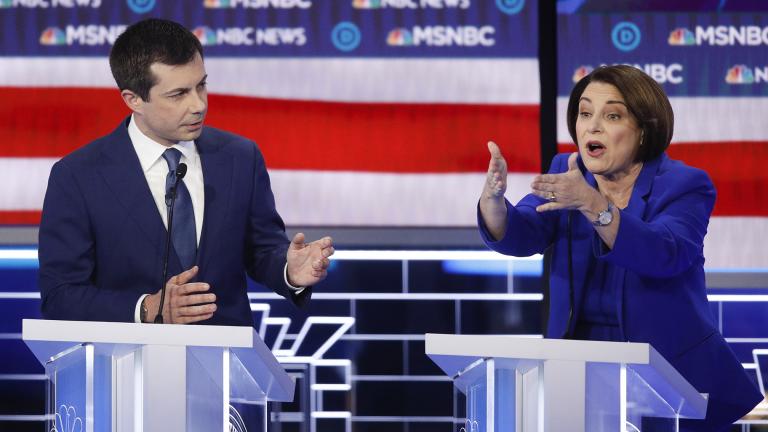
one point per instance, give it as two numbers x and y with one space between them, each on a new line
66 420
236 423
470 426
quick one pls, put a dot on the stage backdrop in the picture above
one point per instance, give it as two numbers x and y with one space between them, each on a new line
711 57
369 112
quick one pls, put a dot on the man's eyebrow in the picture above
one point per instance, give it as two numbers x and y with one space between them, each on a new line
182 90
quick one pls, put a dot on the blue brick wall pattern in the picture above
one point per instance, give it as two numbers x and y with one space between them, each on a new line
394 299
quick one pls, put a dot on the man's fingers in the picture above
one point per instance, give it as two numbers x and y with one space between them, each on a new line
194 299
192 311
327 252
572 165
184 277
189 288
321 264
191 319
298 241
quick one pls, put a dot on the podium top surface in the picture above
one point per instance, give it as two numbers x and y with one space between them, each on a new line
47 339
455 354
509 346
136 334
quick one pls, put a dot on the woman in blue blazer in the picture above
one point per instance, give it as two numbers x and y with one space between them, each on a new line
634 222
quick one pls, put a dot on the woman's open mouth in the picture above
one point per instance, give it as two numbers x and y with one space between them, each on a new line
595 148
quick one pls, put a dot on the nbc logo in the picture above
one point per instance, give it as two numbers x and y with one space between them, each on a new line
366 4
741 74
581 72
681 37
411 4
53 36
257 4
248 36
205 35
400 37
46 4
90 35
217 4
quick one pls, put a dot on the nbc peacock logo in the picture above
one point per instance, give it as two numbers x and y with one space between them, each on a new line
681 36
217 4
740 74
6 4
581 72
400 37
205 35
53 36
366 4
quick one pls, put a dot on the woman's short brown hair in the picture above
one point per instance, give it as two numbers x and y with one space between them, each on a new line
645 100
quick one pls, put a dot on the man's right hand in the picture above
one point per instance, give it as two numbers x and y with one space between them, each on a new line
185 302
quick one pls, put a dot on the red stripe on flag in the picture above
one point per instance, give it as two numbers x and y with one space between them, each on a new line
402 138
737 168
19 217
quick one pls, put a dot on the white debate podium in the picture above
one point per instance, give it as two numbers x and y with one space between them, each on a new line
519 384
105 376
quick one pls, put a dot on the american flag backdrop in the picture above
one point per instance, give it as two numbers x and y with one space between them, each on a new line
714 67
376 113
390 131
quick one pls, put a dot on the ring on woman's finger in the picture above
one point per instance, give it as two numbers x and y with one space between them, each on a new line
552 197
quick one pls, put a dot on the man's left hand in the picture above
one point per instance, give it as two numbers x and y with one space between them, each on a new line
308 262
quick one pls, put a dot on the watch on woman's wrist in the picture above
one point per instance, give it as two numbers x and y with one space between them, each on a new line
605 217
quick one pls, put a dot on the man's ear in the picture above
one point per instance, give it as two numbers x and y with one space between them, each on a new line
134 102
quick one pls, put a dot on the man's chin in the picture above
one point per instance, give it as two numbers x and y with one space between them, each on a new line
191 133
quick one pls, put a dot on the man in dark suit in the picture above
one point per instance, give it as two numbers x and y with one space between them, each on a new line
105 216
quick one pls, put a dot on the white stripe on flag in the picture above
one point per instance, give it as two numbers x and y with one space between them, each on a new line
703 119
471 81
370 199
736 242
24 181
318 198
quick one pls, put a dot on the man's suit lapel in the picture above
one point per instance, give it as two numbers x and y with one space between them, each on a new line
122 172
217 178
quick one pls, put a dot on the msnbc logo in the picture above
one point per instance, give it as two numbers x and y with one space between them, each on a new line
740 74
400 37
442 36
53 36
205 35
681 37
581 72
